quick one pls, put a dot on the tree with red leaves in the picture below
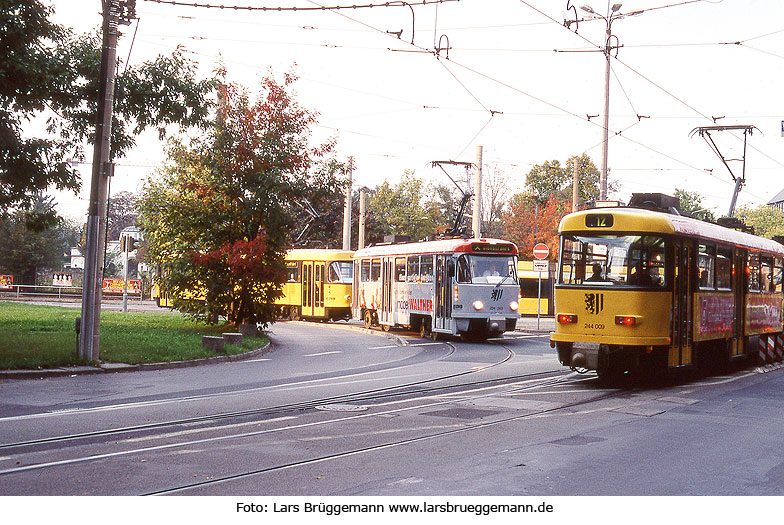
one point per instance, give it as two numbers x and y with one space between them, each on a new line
219 217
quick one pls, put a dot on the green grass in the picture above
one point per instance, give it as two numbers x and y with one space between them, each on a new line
36 337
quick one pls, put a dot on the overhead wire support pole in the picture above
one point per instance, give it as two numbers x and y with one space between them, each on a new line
114 13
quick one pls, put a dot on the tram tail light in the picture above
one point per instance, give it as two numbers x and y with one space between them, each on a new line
567 318
457 293
626 320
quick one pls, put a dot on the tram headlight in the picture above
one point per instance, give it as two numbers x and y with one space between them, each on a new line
478 305
514 305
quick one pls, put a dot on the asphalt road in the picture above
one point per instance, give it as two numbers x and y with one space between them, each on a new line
335 410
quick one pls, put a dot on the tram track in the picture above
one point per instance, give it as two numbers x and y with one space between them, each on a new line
523 381
353 397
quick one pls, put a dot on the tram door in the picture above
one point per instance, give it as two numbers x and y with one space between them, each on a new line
682 319
385 312
313 289
739 287
443 289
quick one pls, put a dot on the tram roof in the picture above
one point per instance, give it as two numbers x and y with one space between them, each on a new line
316 254
483 246
641 220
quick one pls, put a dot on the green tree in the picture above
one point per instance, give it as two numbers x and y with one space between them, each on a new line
409 208
766 220
46 70
218 217
691 204
26 250
552 179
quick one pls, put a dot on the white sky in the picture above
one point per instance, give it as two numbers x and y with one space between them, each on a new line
393 106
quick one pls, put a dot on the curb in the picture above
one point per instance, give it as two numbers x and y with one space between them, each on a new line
108 368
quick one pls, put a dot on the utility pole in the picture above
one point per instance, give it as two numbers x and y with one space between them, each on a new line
612 15
90 334
476 220
361 233
347 208
575 184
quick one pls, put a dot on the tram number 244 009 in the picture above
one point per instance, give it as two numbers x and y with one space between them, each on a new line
594 326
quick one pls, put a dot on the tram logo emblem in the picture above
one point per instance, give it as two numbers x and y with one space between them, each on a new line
496 294
594 302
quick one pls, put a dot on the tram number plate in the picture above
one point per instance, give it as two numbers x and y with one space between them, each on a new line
594 326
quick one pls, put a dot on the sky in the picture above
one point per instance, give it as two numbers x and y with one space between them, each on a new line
507 75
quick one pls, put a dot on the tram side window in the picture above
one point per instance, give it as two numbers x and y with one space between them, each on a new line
724 268
706 259
400 270
426 269
365 270
753 272
766 274
413 269
375 270
778 271
292 272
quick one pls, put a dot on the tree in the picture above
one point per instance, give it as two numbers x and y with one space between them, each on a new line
528 221
691 204
495 194
47 70
766 220
552 179
122 213
408 208
218 217
25 250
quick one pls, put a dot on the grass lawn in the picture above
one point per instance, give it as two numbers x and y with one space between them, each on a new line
35 337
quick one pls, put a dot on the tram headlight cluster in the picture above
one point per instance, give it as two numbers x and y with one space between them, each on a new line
513 306
478 305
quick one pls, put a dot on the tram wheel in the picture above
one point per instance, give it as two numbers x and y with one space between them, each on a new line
386 327
368 319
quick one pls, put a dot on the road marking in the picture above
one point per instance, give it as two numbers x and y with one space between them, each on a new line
323 353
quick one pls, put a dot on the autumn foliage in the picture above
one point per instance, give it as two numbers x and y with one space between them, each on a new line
219 218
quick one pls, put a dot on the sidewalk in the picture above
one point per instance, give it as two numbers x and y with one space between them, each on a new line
543 325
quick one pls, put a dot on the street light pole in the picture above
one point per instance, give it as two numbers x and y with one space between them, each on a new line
612 15
606 124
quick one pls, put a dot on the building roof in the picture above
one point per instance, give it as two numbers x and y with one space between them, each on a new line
778 198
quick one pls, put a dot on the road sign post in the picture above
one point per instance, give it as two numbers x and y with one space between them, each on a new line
541 251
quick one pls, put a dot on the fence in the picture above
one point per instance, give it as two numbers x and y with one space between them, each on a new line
21 291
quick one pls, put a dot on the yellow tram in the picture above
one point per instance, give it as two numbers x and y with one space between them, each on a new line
318 285
536 289
644 289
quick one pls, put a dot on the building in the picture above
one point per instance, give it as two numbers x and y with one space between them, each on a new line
777 201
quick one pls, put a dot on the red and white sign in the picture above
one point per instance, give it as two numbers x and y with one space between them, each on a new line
541 251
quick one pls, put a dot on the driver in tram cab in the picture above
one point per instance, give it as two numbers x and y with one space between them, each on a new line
597 273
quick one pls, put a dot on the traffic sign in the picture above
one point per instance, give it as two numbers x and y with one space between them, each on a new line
541 266
541 251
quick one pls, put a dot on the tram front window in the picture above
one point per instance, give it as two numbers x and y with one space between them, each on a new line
486 269
340 272
613 260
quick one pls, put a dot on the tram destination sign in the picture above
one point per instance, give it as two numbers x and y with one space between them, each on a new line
492 248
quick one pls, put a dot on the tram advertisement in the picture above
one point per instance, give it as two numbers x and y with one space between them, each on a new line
115 286
717 313
763 313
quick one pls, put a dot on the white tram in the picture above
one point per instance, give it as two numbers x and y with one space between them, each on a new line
452 286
